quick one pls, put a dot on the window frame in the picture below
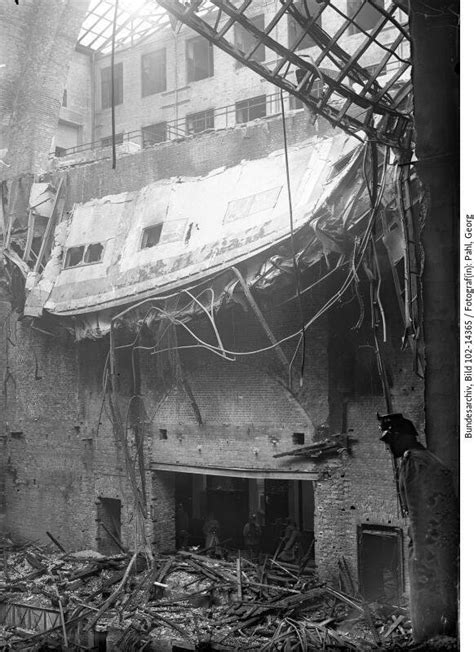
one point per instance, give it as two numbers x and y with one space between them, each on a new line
239 31
239 106
106 85
163 223
163 125
207 114
162 76
85 249
353 7
191 69
295 29
106 141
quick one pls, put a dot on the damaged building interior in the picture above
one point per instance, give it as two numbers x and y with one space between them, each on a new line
229 243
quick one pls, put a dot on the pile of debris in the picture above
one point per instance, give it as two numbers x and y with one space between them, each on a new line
187 601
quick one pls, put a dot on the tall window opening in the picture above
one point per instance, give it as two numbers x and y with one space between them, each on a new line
199 59
106 85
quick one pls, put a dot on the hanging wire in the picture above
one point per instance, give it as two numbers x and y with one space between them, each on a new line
112 85
292 240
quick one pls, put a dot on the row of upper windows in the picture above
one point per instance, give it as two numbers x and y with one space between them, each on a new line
200 56
245 111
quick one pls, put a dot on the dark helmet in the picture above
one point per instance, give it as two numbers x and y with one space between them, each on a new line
395 424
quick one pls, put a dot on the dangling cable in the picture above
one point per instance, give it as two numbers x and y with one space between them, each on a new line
295 262
112 85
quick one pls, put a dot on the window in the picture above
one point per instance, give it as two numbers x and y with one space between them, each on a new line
154 72
65 97
154 134
107 141
163 233
93 253
245 41
261 201
295 30
84 255
151 236
251 109
197 122
199 59
298 438
106 85
368 16
59 151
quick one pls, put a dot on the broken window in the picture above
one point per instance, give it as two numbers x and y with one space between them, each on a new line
107 141
295 30
106 85
197 122
251 109
60 151
154 72
245 41
109 525
154 134
365 19
151 235
261 201
199 59
84 255
298 438
380 562
163 233
93 253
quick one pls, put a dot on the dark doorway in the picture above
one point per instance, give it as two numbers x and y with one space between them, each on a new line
380 563
109 526
228 500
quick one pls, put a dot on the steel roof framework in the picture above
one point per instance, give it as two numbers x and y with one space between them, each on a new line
354 97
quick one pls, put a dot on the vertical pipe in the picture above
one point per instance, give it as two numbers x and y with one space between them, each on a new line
112 86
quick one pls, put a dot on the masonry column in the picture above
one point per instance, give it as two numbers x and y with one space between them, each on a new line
433 26
37 40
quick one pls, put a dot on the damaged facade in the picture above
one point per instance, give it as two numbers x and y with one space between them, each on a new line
213 324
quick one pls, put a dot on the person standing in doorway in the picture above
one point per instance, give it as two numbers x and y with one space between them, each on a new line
252 534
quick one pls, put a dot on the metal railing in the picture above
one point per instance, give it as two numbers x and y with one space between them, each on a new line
224 117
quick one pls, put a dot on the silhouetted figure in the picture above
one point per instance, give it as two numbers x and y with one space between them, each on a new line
427 494
291 540
211 532
252 535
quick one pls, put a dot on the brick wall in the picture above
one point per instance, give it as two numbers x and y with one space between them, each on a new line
61 454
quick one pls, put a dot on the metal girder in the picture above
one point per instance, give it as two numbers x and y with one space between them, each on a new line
353 97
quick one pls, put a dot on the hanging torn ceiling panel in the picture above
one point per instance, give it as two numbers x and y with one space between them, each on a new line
180 233
354 70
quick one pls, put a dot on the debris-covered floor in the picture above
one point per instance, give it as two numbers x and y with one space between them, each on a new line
86 600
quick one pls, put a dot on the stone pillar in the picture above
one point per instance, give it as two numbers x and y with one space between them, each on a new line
37 41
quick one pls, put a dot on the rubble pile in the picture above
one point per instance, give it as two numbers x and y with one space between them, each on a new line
186 600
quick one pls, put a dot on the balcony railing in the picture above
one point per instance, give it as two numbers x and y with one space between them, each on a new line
224 118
